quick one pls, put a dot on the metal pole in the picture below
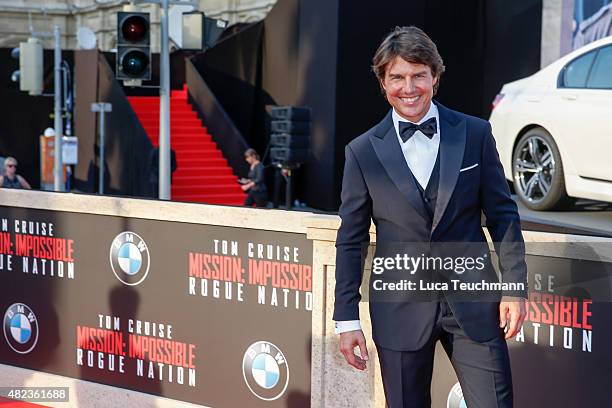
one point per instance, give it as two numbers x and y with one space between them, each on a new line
102 108
101 155
66 95
288 190
58 174
164 107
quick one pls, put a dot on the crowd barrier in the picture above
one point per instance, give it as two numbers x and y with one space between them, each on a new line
130 302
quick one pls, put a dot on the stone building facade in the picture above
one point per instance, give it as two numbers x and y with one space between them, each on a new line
18 18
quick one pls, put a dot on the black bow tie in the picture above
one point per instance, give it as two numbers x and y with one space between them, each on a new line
428 128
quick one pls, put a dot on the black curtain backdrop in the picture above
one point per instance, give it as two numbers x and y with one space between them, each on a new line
232 69
225 134
318 53
512 45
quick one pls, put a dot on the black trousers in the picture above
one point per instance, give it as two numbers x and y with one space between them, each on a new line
483 369
259 198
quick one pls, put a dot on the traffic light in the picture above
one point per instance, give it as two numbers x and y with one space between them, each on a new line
133 46
30 73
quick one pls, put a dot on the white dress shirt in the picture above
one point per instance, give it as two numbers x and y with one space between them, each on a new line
420 153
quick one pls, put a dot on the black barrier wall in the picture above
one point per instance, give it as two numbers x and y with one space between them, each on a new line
220 126
217 316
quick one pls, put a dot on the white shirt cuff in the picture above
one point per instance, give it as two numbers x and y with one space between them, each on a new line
347 325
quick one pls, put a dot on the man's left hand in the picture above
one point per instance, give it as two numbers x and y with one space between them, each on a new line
512 312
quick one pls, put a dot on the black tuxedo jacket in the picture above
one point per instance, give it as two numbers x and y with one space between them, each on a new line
377 186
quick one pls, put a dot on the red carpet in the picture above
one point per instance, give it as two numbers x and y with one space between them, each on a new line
7 403
203 174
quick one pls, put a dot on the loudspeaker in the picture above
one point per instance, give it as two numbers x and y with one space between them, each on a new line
290 126
290 113
289 156
290 135
290 141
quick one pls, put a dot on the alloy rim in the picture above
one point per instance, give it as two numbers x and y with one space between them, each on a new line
534 169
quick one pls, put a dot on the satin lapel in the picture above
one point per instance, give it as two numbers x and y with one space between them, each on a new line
452 147
389 152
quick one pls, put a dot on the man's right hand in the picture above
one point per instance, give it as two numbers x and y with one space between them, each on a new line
348 341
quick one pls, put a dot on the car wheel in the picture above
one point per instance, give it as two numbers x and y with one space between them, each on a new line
538 173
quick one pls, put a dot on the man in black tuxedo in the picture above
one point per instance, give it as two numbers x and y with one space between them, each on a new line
425 174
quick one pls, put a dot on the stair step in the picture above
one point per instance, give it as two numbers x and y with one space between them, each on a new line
184 132
194 154
180 150
149 114
179 92
178 105
211 189
189 127
214 196
204 147
200 178
154 110
173 121
154 107
179 142
180 139
204 171
201 162
153 100
187 183
231 199
208 181
233 203
185 146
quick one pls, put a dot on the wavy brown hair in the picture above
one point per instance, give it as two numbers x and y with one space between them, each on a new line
412 45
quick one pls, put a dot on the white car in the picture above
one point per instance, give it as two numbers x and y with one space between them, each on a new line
554 129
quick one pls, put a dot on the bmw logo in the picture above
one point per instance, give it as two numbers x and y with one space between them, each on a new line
265 370
455 398
20 328
129 258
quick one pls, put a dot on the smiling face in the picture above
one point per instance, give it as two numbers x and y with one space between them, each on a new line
409 88
10 169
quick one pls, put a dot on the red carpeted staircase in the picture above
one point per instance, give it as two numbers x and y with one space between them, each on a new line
202 175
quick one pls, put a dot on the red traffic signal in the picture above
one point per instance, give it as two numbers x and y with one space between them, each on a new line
134 28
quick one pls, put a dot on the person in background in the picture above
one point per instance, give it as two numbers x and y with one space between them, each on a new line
255 184
11 179
280 185
153 165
